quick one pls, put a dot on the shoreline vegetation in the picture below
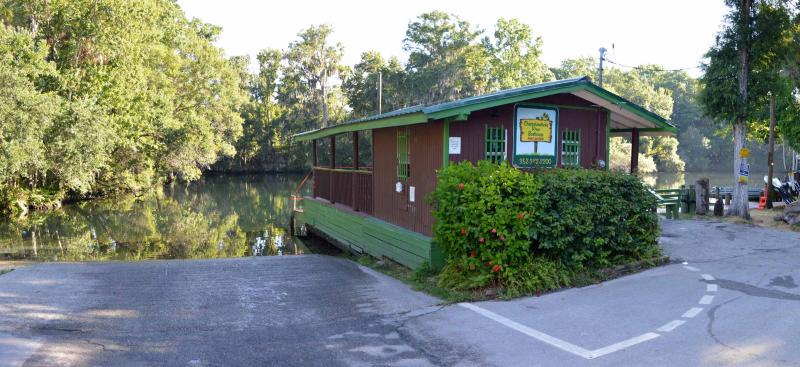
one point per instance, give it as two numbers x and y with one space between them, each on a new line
122 96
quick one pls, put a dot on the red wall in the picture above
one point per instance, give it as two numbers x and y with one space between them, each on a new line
592 124
426 152
425 157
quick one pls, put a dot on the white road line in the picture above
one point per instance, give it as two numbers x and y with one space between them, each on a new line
671 326
556 342
692 268
623 344
692 312
706 300
707 277
536 334
711 287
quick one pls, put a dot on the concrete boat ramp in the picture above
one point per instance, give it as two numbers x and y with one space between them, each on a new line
733 302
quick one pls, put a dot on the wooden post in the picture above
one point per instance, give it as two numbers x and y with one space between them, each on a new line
353 176
596 157
771 151
314 165
719 206
355 151
313 153
332 152
701 197
333 165
634 151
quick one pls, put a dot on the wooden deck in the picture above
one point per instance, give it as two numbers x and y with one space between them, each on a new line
359 232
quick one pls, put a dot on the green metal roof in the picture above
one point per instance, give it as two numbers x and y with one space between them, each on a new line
460 108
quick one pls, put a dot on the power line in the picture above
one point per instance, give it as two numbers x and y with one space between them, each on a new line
651 69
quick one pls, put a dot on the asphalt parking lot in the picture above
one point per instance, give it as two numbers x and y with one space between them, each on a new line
729 299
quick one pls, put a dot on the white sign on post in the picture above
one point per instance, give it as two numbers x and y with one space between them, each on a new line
744 169
454 145
411 192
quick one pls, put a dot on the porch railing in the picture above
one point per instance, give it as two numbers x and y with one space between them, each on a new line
348 187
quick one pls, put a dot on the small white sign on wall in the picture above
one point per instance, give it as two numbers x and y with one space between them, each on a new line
454 145
398 187
411 192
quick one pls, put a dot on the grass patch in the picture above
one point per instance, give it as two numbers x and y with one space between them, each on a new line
422 279
427 281
5 271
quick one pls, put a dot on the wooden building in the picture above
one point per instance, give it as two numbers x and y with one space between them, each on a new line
380 207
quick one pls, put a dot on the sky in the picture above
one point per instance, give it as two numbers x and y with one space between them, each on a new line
674 34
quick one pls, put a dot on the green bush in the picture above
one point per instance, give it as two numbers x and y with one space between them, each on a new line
529 232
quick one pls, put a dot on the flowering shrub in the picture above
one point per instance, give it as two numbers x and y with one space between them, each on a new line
527 232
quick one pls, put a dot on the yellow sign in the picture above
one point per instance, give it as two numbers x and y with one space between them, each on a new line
744 152
536 130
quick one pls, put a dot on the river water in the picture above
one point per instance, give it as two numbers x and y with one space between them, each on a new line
218 216
223 216
664 180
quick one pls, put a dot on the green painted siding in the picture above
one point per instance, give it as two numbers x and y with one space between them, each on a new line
367 234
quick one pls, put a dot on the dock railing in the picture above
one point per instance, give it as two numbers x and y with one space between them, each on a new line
296 192
349 187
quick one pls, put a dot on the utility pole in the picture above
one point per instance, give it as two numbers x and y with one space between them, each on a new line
771 151
602 57
380 91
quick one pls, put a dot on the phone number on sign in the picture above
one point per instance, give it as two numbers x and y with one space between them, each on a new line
535 161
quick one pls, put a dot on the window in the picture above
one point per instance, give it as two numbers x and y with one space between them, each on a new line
495 147
323 152
344 151
571 148
403 164
365 149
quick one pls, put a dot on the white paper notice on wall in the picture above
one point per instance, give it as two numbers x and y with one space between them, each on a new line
398 187
411 192
455 145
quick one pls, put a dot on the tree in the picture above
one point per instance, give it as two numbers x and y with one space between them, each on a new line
261 135
314 61
514 56
26 114
573 68
445 60
749 48
137 93
361 85
641 86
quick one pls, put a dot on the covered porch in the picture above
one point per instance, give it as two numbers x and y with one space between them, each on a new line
342 170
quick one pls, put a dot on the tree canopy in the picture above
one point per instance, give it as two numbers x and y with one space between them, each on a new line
100 96
122 95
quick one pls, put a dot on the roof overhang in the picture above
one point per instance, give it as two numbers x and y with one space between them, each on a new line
624 115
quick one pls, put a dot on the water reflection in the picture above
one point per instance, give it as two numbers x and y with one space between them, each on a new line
675 180
227 216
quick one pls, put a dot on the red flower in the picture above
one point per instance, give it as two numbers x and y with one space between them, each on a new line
496 268
461 186
463 232
471 267
481 240
519 216
472 254
494 230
